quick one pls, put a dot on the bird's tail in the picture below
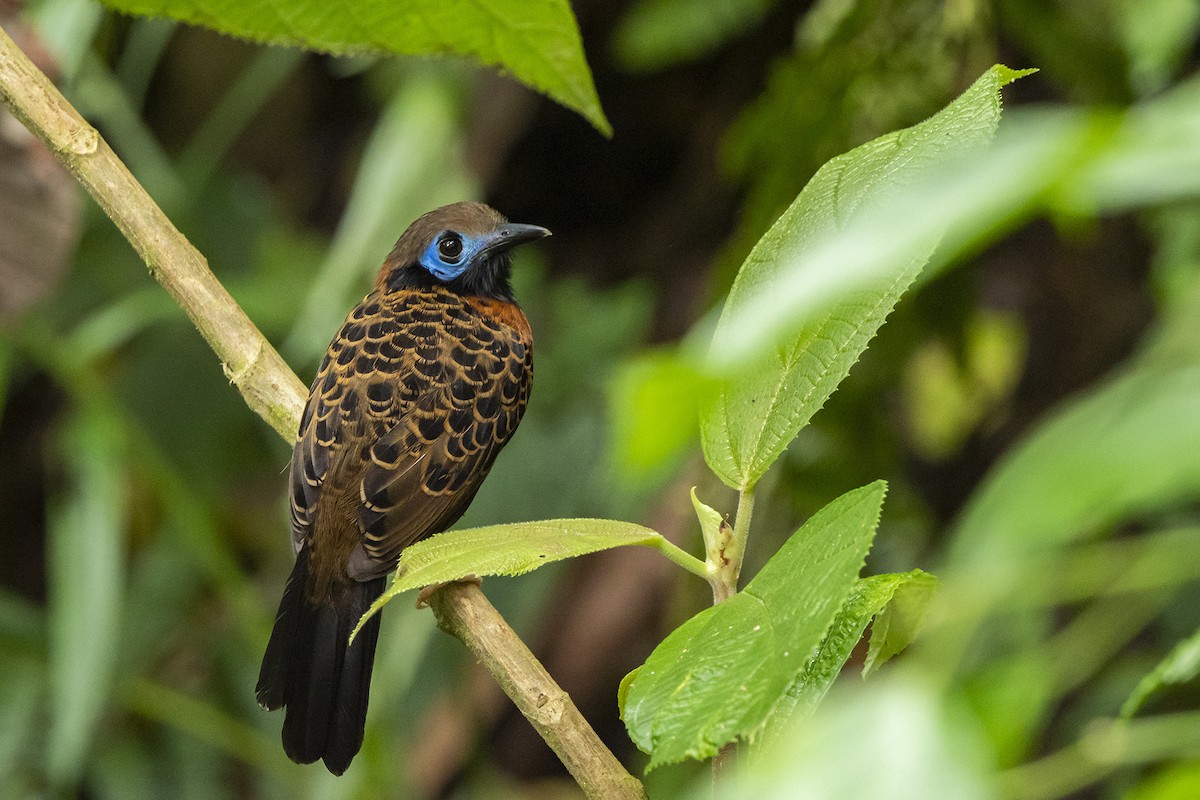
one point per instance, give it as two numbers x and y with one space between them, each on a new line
309 668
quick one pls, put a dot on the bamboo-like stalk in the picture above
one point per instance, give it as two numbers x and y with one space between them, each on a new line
274 392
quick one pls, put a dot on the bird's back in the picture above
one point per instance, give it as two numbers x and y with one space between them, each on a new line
416 395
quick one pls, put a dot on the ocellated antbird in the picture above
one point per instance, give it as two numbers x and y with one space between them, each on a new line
418 392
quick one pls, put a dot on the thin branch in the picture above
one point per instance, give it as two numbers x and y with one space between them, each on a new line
274 392
462 611
680 557
266 382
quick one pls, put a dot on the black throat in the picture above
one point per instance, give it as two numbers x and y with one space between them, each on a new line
487 278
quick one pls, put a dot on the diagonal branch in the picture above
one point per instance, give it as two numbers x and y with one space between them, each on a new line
464 612
274 392
269 386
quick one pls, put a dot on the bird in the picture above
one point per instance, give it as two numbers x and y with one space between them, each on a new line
419 390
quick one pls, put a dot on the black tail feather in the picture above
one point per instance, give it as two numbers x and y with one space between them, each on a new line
349 711
309 669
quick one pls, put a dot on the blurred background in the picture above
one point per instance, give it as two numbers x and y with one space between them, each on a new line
1044 392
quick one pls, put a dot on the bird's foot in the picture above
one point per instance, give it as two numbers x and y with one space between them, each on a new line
427 591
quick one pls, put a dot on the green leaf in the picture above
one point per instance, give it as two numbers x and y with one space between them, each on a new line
654 400
623 689
761 408
1181 665
537 41
22 710
1155 35
206 722
87 574
1127 447
876 597
22 622
713 526
898 738
899 621
856 70
655 34
947 396
717 677
515 549
1173 782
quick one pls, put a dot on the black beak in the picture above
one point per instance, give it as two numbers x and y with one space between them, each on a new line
511 234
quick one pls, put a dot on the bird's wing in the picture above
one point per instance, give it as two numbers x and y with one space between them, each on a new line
423 473
317 442
364 385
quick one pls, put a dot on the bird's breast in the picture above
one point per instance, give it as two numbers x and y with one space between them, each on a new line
506 313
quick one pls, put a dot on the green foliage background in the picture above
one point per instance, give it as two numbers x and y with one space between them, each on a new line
1035 411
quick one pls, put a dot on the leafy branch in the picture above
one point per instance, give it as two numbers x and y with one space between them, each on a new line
273 391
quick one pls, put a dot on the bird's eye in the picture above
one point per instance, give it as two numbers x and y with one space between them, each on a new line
450 247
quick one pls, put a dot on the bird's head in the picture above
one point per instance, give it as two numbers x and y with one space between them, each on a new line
464 246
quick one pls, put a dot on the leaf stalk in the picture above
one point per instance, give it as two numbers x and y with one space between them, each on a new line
725 558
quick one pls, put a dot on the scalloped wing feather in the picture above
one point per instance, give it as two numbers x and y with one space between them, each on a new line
413 402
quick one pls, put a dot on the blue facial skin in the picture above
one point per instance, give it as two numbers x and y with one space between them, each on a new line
445 270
